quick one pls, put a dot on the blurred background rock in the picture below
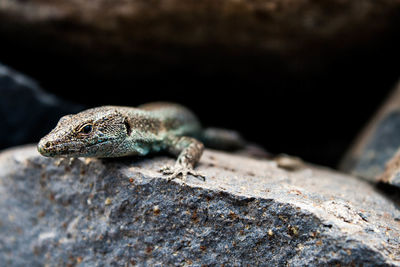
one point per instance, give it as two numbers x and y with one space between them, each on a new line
300 77
26 111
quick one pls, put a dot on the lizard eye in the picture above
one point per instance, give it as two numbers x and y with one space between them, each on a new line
86 129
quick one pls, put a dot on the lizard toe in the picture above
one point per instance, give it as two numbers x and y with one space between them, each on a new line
181 173
166 169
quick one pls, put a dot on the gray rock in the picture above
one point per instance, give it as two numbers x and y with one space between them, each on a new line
122 212
381 147
376 146
26 111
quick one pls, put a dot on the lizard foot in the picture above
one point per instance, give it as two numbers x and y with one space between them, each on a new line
177 170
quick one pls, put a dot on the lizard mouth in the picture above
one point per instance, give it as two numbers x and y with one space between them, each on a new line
76 149
50 149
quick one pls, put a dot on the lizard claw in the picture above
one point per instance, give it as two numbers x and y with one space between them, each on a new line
177 171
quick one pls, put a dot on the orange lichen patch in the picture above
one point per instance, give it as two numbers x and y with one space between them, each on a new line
79 259
270 233
156 210
195 218
108 201
233 215
293 230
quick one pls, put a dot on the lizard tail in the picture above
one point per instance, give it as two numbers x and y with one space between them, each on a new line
222 139
229 140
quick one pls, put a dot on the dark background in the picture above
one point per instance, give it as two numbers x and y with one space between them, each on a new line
311 103
315 116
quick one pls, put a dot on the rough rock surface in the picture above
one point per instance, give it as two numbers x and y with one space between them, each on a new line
26 111
121 212
377 144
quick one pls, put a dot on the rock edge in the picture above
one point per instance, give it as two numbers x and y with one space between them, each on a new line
122 212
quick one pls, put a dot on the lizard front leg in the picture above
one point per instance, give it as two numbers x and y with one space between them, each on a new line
188 150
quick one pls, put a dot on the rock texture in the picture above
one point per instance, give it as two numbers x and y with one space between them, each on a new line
26 111
269 25
121 212
377 144
122 39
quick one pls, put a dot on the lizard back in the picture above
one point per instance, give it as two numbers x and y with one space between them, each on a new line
175 119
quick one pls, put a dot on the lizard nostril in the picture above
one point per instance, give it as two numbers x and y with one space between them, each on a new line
47 145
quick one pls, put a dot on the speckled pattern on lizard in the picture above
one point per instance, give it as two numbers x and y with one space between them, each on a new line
115 131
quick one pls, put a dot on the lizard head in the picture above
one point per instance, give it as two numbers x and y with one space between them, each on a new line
90 133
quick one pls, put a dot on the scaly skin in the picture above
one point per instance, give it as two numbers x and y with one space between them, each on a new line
113 131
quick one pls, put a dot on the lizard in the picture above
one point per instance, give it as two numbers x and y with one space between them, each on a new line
117 131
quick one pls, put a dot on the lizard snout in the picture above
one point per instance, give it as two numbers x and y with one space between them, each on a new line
45 147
